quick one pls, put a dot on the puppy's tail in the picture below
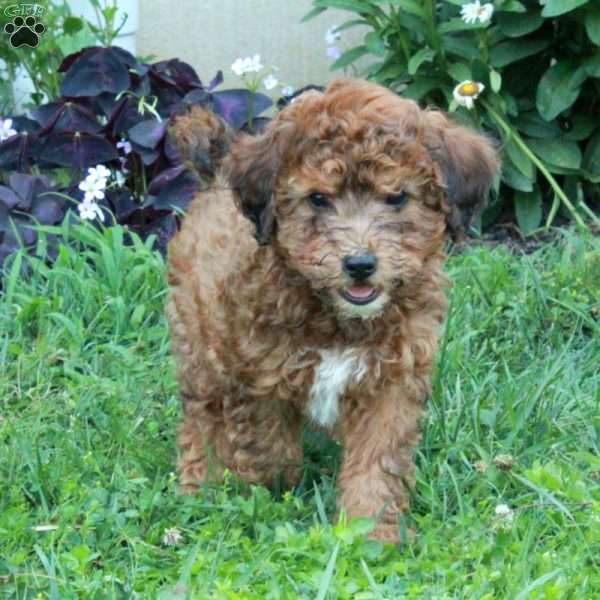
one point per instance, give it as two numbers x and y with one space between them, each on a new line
202 140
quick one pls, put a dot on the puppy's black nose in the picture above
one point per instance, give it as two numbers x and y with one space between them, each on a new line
360 266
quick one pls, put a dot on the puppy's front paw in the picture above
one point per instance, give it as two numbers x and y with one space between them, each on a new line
392 534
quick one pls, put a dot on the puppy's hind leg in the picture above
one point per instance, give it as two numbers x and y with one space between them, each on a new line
204 448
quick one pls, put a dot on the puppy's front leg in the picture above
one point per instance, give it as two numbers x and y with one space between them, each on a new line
265 436
379 435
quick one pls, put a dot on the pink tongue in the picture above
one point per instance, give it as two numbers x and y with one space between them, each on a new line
360 291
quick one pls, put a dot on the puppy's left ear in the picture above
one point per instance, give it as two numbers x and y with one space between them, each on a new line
251 168
468 162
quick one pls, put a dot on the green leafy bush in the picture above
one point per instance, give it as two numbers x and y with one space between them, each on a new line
539 63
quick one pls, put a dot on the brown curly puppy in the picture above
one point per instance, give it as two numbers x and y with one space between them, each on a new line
307 284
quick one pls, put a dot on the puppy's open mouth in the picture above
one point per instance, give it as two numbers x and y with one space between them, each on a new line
359 294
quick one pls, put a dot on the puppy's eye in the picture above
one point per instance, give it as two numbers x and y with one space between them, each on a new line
397 200
318 200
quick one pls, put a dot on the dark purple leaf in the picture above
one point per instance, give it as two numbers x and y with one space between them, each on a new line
234 105
16 152
123 116
216 81
196 97
4 222
23 124
8 197
173 187
122 204
170 152
66 116
95 71
148 134
175 72
26 232
71 58
77 150
27 187
147 155
163 228
48 208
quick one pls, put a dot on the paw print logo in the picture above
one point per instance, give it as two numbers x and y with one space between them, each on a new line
24 32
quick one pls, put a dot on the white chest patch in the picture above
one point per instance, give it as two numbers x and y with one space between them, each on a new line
333 375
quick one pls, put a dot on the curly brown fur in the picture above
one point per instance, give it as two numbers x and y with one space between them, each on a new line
263 335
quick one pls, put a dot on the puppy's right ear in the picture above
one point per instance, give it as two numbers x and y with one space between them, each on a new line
251 167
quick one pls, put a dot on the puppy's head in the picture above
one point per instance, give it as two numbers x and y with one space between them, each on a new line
356 187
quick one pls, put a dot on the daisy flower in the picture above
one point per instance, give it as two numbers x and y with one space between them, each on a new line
475 11
467 92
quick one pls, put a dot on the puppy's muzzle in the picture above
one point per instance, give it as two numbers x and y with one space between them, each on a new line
359 267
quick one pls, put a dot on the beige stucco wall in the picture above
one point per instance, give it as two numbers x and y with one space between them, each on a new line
211 34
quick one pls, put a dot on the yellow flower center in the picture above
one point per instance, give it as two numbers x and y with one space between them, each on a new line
468 89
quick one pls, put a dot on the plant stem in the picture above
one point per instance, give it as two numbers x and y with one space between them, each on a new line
537 162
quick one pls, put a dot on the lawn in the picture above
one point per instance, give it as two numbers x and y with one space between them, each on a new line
88 409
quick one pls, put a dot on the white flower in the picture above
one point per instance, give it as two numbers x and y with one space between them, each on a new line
125 146
98 173
505 516
333 52
270 82
332 35
6 129
93 188
172 536
475 11
288 91
247 65
255 65
467 92
89 210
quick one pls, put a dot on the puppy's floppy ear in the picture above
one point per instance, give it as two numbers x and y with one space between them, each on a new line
252 167
468 162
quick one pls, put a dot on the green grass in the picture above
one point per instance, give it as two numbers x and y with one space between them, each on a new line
88 409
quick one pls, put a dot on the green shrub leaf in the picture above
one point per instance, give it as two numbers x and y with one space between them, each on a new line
528 210
495 81
559 153
520 160
557 89
511 51
516 25
459 71
591 158
554 8
592 26
512 6
534 126
515 180
358 6
423 55
374 43
349 57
